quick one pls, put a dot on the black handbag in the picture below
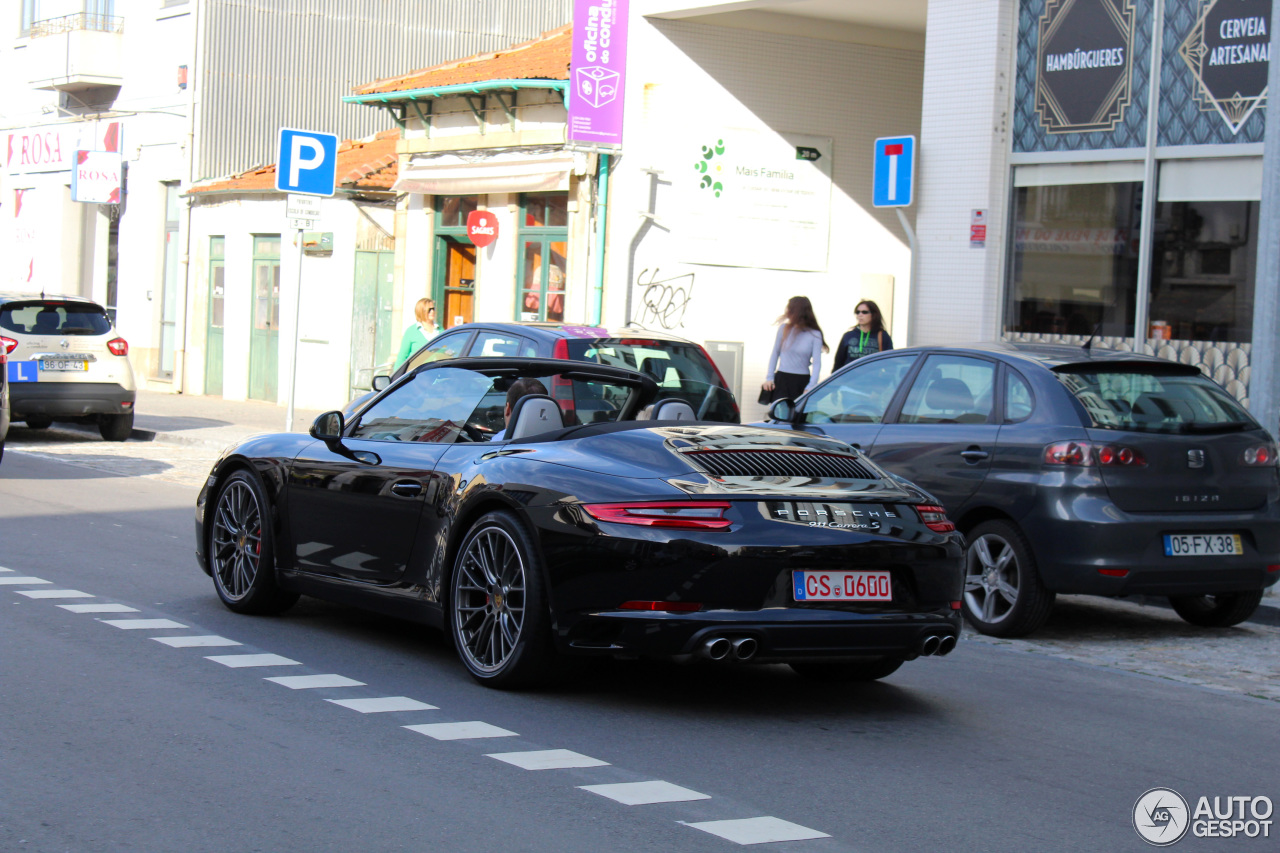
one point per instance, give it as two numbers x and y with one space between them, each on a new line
765 396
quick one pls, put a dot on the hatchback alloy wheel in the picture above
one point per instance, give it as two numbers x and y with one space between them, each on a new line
1003 593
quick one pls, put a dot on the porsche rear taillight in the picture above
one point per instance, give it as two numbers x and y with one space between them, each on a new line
680 515
8 344
935 518
118 346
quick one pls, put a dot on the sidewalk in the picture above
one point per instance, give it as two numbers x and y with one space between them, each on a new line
210 421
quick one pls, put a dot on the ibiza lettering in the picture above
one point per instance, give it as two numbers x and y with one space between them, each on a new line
1078 59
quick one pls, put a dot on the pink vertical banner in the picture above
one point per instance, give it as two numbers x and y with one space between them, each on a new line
598 71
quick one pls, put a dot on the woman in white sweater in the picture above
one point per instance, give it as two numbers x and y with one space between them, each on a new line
796 359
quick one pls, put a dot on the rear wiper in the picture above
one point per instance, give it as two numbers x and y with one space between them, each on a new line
1226 426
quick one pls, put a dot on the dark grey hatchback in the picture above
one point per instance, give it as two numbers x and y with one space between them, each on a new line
1070 471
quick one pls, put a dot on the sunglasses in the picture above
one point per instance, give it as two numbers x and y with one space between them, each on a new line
861 312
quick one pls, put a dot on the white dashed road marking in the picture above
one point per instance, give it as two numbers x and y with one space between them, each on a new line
196 642
460 731
240 661
310 682
21 581
139 624
645 793
54 593
757 830
3 569
387 703
98 608
549 759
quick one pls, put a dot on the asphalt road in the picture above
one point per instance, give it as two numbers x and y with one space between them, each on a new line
112 740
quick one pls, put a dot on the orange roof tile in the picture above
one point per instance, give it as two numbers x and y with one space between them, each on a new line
363 164
544 58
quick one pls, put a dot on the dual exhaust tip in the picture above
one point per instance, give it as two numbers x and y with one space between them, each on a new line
724 648
938 645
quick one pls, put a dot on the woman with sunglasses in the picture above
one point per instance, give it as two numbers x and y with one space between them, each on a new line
796 359
866 337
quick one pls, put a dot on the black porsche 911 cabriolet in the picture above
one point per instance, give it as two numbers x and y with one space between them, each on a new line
594 519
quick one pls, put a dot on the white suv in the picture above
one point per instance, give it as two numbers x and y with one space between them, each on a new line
66 362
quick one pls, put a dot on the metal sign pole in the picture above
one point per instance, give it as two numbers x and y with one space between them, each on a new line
297 333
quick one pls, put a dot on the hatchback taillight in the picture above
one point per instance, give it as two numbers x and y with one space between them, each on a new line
685 515
118 346
935 518
1260 456
1087 454
9 344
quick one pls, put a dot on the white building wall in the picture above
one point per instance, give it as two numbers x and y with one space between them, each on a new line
963 166
687 79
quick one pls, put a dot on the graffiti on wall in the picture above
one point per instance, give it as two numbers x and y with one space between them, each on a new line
663 301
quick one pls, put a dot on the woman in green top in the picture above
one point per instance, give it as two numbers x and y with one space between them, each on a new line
420 332
866 337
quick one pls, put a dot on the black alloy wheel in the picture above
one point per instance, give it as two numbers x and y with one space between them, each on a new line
242 549
115 427
1216 611
836 671
499 620
1003 593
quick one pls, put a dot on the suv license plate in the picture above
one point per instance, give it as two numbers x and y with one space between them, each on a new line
841 586
63 364
1203 545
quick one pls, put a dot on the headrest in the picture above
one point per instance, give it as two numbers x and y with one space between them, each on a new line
533 414
949 395
47 321
671 409
655 367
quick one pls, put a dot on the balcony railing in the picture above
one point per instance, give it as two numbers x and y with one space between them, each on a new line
77 22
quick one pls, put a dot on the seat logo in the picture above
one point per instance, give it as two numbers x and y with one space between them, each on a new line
1195 458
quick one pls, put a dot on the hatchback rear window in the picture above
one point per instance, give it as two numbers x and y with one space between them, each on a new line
1151 400
682 370
50 317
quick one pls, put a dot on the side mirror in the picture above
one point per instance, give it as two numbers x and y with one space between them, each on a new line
380 382
328 427
783 410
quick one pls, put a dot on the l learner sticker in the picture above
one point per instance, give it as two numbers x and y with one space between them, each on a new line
23 371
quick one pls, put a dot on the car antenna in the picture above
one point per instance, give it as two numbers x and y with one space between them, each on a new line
1092 335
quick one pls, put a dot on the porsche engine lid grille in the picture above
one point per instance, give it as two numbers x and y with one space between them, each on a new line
780 463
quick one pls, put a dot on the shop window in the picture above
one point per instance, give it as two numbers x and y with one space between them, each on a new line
1202 278
1074 259
544 220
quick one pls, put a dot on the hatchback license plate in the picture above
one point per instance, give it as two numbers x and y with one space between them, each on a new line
841 586
63 364
1203 545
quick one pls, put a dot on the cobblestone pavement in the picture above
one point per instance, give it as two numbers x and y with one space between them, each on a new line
1117 634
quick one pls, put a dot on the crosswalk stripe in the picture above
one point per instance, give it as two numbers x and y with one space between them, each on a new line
645 793
383 704
310 682
460 731
548 759
241 661
757 830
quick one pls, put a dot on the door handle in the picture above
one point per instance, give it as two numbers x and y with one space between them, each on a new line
973 454
406 488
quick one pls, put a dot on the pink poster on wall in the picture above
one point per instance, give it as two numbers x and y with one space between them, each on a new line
597 72
23 272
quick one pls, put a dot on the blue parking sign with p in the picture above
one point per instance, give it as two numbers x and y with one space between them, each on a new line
307 162
895 171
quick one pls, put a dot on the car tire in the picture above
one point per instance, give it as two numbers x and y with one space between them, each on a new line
1216 611
115 427
38 421
242 549
499 619
836 671
1003 593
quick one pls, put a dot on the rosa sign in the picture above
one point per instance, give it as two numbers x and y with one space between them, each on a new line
482 227
95 177
598 71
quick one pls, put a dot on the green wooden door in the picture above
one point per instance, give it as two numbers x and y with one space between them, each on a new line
264 337
217 297
371 333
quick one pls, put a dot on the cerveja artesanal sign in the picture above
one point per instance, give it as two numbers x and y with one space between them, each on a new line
1228 52
1084 64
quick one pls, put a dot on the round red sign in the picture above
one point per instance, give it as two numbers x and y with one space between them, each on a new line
482 227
